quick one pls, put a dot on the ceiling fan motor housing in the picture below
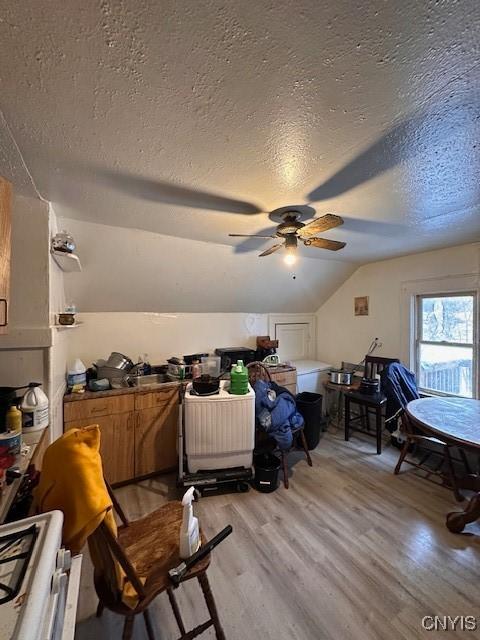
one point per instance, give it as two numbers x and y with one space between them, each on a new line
290 224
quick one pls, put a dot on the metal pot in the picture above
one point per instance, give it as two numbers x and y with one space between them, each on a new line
206 385
119 361
341 376
369 386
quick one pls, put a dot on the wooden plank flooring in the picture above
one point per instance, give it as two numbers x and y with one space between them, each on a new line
349 552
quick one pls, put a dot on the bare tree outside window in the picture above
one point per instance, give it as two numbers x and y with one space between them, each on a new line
445 344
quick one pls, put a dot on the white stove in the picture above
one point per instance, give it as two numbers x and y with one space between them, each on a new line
39 580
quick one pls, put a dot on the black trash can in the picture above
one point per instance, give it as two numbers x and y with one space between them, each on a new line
266 467
310 406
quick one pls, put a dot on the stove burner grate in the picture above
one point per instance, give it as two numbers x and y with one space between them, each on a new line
15 547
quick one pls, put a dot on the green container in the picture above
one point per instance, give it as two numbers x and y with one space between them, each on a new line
239 379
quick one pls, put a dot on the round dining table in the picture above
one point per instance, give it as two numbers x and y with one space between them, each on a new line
455 421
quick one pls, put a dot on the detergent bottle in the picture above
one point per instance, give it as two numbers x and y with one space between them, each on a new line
189 531
239 379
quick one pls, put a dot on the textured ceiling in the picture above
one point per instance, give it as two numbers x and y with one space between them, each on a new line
367 109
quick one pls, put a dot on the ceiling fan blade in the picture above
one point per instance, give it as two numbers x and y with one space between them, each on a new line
324 223
248 235
323 243
271 249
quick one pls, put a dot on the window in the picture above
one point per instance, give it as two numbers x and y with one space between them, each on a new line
445 344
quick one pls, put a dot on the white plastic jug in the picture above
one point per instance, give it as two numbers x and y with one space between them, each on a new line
76 374
34 408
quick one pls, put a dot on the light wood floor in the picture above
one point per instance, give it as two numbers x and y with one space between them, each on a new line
349 552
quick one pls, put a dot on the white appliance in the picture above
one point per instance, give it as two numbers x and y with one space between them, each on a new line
39 581
219 429
312 376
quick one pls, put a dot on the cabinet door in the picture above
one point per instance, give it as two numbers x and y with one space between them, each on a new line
116 444
5 249
156 437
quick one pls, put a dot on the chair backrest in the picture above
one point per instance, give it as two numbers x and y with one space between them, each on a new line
108 557
258 371
375 365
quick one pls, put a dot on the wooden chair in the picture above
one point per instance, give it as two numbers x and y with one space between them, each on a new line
147 549
368 404
258 371
414 438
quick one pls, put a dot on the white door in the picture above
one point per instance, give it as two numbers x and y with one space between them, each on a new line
293 340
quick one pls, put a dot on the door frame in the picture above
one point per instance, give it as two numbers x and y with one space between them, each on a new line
296 318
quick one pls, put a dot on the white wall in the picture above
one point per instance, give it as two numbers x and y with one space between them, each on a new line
58 352
343 336
132 270
32 351
162 335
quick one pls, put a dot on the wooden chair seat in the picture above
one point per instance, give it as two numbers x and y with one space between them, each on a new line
151 545
147 549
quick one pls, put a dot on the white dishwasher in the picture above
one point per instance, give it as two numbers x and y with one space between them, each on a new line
219 429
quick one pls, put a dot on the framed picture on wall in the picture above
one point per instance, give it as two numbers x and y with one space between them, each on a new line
361 306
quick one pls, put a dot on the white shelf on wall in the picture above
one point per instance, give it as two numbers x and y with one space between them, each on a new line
67 262
67 326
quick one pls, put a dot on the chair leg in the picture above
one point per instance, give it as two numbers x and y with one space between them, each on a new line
176 611
378 425
100 609
148 625
212 609
347 417
305 448
402 456
285 469
465 461
452 477
128 628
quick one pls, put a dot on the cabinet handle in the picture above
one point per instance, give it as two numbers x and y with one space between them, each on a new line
97 409
5 312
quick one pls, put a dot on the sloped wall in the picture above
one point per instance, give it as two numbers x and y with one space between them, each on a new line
343 336
130 270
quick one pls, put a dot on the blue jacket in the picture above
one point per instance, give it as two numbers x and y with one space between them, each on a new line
276 412
400 387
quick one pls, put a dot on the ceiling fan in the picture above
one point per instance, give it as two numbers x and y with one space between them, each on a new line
291 230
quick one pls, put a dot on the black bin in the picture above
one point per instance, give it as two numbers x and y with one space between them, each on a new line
267 467
310 406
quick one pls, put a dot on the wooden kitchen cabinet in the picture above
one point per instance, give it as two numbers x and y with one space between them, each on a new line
117 437
156 432
5 250
138 430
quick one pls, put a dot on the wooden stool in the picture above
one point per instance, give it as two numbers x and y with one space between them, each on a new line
367 403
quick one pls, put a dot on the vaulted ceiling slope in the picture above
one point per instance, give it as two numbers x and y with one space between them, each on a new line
128 112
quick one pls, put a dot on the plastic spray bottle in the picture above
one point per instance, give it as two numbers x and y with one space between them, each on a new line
189 531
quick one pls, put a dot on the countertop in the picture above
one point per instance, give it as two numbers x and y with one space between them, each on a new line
91 395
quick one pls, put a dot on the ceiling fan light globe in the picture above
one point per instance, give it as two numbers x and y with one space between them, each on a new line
290 259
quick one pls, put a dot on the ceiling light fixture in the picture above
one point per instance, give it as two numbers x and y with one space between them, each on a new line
291 249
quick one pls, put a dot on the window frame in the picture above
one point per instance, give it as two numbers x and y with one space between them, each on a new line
418 341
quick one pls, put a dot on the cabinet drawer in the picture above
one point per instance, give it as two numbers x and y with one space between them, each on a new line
292 388
285 379
156 398
86 409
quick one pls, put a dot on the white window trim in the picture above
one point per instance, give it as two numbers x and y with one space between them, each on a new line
466 283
